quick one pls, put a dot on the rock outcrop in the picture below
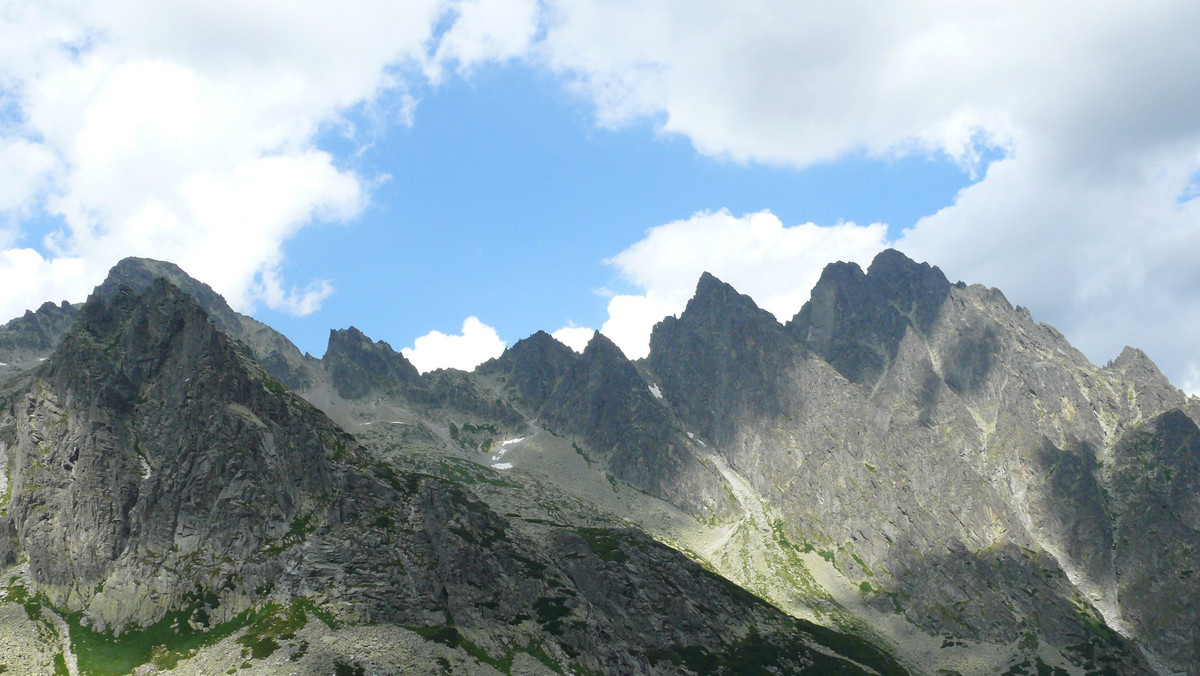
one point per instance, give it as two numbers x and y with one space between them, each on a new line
160 477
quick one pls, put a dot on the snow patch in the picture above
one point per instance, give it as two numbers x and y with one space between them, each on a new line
502 465
398 422
655 391
145 468
504 448
3 364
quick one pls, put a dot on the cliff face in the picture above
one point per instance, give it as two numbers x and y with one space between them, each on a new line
964 469
930 433
159 474
150 441
30 338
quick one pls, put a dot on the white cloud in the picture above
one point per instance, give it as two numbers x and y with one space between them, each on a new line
25 169
185 130
486 30
1092 104
1191 380
477 343
756 253
574 337
1109 264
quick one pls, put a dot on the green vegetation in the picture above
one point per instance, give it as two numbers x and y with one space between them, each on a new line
276 623
579 450
862 564
274 386
849 645
343 669
183 632
302 525
550 611
605 543
321 614
164 643
756 654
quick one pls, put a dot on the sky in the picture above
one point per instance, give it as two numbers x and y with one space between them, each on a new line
451 176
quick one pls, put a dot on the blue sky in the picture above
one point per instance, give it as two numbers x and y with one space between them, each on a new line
504 199
452 175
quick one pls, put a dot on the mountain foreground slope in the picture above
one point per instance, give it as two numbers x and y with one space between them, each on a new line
908 476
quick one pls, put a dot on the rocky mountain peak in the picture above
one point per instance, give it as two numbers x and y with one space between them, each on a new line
855 321
742 351
139 273
717 301
150 431
1136 365
33 335
532 366
601 348
604 400
357 366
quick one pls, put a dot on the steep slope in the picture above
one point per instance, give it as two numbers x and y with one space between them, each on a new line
604 401
531 368
163 485
274 352
356 366
902 429
724 360
26 340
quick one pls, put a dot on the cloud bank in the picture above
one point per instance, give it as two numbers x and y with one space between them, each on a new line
476 344
775 265
1090 219
186 130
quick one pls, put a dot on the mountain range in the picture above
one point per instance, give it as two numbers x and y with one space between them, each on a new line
909 476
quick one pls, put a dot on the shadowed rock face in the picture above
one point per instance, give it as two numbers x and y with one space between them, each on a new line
723 360
604 400
33 336
923 428
855 321
154 463
532 367
149 433
1155 502
356 366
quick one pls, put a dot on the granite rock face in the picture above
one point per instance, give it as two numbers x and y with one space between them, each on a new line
32 337
960 464
604 400
963 461
357 366
156 468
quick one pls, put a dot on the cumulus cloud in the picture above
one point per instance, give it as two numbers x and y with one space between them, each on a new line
756 253
476 344
574 337
186 130
486 30
1090 218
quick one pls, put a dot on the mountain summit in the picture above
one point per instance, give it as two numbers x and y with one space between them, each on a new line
909 476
